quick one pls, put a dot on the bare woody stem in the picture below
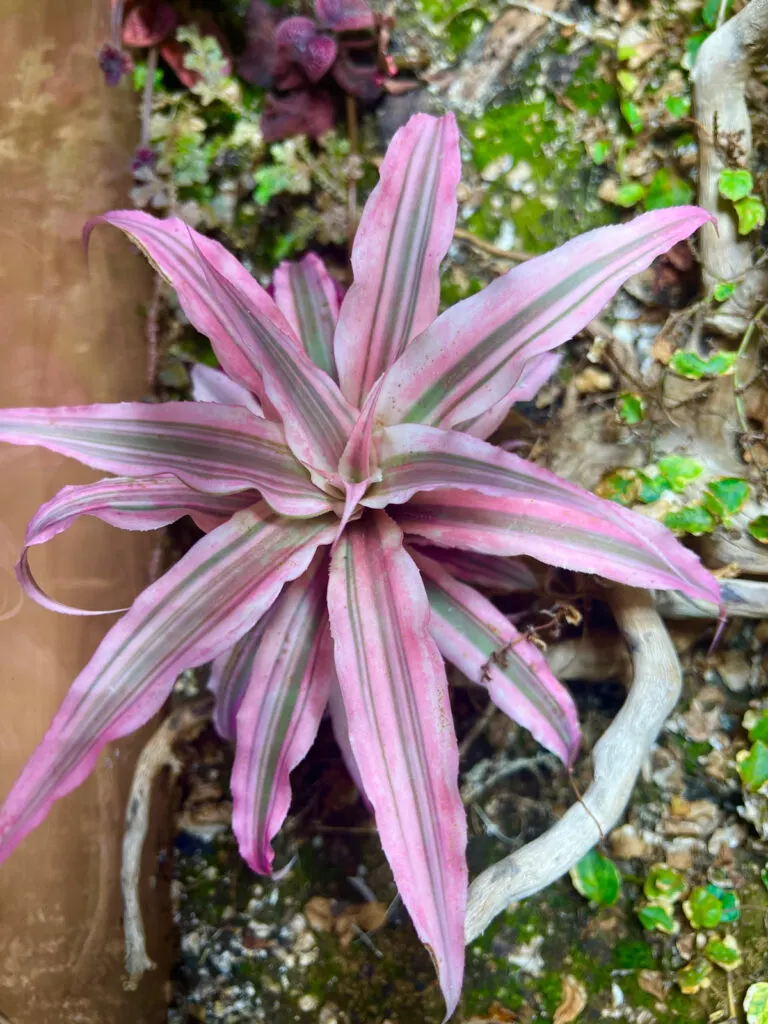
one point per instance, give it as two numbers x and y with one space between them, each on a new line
617 759
720 76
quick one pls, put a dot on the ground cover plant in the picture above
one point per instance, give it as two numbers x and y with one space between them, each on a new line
334 445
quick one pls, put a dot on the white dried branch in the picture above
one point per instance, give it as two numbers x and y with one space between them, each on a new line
617 760
184 724
745 598
720 75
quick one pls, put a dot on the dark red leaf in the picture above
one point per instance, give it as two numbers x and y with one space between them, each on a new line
304 112
345 15
148 24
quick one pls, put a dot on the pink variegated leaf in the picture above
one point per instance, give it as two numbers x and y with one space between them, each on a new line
129 504
199 608
496 574
536 372
472 355
172 248
209 385
316 417
475 637
401 732
340 727
405 230
230 675
306 294
216 449
280 713
498 503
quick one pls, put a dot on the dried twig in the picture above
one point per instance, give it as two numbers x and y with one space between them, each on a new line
617 759
723 66
513 255
182 725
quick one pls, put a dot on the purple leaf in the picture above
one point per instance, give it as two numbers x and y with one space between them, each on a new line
307 112
401 732
361 78
278 719
198 609
475 637
213 448
299 41
345 15
405 230
474 354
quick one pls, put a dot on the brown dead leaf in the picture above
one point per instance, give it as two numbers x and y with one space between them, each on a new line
663 349
573 1001
347 921
319 914
652 982
591 380
626 844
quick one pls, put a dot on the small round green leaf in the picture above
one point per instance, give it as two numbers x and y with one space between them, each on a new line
724 953
693 519
734 183
692 366
678 106
656 917
729 901
756 1003
597 879
753 768
729 494
694 977
751 214
723 290
600 151
619 486
629 194
703 909
651 487
632 116
679 471
667 189
630 408
756 724
663 883
758 529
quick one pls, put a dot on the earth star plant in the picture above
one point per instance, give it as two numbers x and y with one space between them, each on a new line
332 466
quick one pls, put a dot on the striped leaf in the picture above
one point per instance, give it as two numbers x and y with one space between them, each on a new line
316 417
475 637
401 731
405 230
171 246
230 675
481 498
340 727
209 385
536 373
128 504
492 573
199 608
213 448
280 713
473 354
306 294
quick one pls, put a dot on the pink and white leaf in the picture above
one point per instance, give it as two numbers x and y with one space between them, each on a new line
395 693
499 575
216 449
316 417
128 504
472 634
230 675
404 233
198 609
172 246
340 728
476 496
209 385
536 373
278 718
307 295
474 354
